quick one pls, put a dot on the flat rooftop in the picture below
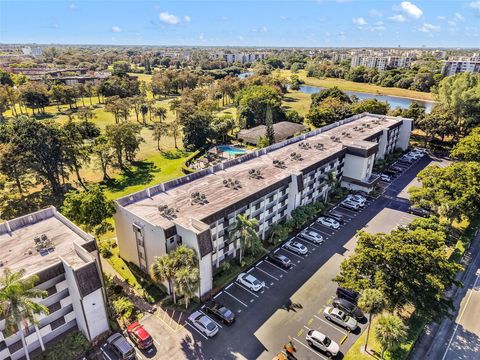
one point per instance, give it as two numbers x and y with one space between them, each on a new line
218 196
18 248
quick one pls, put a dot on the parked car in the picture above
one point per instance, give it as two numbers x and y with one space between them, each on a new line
323 343
406 160
348 294
385 177
121 347
390 173
414 155
351 205
336 216
140 337
250 281
418 211
296 247
348 307
339 317
357 198
328 222
204 324
280 260
312 236
220 311
396 169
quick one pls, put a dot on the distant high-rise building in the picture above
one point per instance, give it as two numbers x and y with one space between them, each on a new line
452 67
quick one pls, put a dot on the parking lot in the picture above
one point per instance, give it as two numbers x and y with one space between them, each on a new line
293 300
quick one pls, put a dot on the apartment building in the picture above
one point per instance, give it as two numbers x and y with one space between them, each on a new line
381 62
67 264
452 67
199 210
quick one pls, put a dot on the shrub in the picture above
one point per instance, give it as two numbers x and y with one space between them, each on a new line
123 307
73 346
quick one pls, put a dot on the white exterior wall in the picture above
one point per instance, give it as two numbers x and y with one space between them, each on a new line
355 167
404 135
76 301
95 313
382 145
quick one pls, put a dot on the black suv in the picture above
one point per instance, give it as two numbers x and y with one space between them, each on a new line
336 216
347 294
220 311
418 211
280 260
348 308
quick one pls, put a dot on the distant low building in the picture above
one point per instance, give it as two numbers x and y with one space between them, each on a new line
66 261
283 130
35 51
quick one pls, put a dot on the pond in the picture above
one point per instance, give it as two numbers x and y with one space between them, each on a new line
394 101
245 75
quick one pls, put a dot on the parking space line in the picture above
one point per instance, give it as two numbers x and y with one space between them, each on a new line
220 293
291 252
313 351
279 268
220 326
241 302
331 324
139 355
229 286
307 242
244 288
194 328
249 270
105 353
354 213
267 273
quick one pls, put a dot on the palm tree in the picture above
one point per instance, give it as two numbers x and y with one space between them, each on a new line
144 112
372 302
175 105
187 281
161 112
164 270
390 331
159 130
18 304
245 227
174 129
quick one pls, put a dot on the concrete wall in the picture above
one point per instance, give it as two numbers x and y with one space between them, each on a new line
95 313
404 135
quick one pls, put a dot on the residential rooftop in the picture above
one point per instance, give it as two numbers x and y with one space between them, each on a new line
177 194
37 241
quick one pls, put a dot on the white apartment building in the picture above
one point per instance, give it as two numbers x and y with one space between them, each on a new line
67 264
452 67
381 62
244 57
199 210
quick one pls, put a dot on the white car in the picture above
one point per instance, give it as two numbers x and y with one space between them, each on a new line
311 236
203 323
414 155
350 204
385 177
250 281
320 341
357 198
296 247
339 317
328 222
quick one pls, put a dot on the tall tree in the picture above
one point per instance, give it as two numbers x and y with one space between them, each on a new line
468 148
90 209
174 129
187 281
103 151
125 139
245 234
18 304
371 301
163 269
269 133
159 131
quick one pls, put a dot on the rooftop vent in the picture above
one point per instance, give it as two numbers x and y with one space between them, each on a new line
167 211
295 156
232 184
255 173
43 245
304 145
198 198
319 146
279 163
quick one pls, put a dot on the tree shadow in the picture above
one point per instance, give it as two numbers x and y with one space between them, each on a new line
174 154
289 99
141 173
14 205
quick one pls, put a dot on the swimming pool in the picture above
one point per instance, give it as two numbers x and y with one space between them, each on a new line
231 150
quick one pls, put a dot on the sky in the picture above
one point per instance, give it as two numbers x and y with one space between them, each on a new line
301 23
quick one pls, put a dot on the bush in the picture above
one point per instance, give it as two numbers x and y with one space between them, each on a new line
105 248
123 307
73 346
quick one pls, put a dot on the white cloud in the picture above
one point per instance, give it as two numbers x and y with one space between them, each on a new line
459 17
441 17
72 6
263 29
283 17
360 21
375 13
201 37
397 18
240 37
411 10
187 18
168 18
428 28
475 5
116 29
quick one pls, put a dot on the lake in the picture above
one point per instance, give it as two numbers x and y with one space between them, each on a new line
394 101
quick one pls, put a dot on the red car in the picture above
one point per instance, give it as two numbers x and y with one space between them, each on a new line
139 335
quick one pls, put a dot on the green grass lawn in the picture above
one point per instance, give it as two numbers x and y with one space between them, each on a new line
298 101
354 86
